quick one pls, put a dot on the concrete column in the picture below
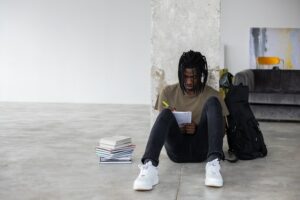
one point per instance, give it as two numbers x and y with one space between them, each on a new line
178 26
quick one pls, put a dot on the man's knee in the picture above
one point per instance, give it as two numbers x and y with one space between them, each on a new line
213 101
165 114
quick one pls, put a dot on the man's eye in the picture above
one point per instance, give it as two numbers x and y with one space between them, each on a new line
193 77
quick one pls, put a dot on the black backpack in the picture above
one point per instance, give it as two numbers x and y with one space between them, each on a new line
245 139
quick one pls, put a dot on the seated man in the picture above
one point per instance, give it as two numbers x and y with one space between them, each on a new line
198 141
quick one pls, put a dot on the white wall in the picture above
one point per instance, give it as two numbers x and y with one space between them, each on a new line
98 51
237 16
88 51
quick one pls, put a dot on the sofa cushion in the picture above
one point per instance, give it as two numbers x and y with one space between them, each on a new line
245 77
274 98
290 81
266 80
276 112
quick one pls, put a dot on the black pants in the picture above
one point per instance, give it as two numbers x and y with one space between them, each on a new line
181 147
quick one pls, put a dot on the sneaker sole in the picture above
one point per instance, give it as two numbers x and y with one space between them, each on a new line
213 183
143 188
140 187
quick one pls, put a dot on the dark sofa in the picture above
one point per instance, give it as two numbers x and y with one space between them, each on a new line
273 94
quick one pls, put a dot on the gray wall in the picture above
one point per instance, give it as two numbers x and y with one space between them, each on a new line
238 16
92 51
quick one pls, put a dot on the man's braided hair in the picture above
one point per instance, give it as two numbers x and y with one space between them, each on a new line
192 59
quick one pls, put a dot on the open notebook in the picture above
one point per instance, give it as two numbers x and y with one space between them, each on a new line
183 117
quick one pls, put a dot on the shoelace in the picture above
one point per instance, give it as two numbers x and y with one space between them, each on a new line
215 167
143 168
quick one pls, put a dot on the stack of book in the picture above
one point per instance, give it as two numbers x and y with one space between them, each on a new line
115 149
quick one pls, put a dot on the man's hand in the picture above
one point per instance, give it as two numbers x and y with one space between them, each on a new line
182 129
190 128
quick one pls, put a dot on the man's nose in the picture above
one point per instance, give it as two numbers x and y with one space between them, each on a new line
189 81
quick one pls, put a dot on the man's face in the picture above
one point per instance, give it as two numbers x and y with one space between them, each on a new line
190 79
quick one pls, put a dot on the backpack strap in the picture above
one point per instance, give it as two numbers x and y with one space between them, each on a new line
230 151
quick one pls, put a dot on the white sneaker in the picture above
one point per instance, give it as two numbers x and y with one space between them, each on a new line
213 176
147 178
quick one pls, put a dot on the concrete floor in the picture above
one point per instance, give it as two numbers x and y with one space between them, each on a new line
47 151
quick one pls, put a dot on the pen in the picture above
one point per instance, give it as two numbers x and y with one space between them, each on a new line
165 104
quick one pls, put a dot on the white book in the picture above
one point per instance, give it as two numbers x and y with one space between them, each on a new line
117 153
113 147
115 140
115 161
128 158
114 156
126 148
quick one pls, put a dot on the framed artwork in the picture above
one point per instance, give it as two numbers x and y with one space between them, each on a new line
279 42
